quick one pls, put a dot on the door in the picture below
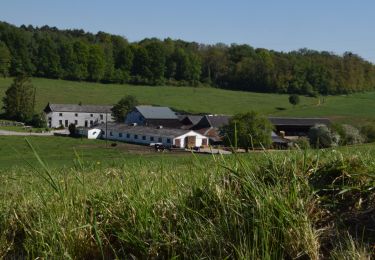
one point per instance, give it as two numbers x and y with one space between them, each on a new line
66 123
190 141
204 142
177 142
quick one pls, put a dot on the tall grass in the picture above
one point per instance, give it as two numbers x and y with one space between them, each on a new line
268 206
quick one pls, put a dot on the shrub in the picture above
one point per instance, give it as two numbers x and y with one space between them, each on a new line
72 129
368 131
322 137
302 143
351 135
39 121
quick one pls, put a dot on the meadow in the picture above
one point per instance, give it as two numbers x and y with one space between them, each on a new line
59 152
355 108
303 204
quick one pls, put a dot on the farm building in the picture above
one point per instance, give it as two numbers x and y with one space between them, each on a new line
153 116
209 125
62 115
293 126
146 135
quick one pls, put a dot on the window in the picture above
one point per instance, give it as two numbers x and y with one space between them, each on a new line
86 123
75 122
60 122
50 118
110 133
127 135
144 137
101 117
151 138
91 115
135 136
160 139
168 140
60 114
75 114
119 134
66 123
91 122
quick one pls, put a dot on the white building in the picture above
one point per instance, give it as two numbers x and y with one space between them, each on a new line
58 115
146 135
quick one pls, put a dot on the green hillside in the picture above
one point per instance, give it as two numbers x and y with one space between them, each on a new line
358 107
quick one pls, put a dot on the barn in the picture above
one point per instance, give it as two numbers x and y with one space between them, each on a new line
146 135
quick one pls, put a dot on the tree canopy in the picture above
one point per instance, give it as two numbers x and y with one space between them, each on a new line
249 130
19 100
79 55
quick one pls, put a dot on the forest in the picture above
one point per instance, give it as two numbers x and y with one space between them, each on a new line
77 55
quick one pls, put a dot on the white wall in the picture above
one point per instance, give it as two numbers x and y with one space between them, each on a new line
114 135
53 118
198 139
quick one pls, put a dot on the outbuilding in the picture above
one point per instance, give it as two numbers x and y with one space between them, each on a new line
146 135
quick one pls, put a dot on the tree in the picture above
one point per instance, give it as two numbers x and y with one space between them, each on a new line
72 129
294 99
19 99
249 130
4 59
96 63
123 107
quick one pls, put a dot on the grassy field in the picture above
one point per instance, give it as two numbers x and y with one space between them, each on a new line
60 152
356 108
304 205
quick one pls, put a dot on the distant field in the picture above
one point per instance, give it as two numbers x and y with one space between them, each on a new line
61 151
353 108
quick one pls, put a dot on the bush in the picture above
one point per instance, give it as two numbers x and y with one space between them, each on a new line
368 131
351 135
322 137
302 143
39 121
72 129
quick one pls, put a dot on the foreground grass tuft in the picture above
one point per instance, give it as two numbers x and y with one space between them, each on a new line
305 205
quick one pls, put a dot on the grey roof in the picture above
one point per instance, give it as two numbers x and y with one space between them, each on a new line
142 130
280 121
152 112
79 108
194 119
218 121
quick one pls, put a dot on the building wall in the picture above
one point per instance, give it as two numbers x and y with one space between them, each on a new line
134 117
198 140
137 138
56 119
147 139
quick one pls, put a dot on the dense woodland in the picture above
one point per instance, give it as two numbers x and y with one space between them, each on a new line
102 57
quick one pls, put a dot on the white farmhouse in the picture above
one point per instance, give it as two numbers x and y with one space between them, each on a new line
146 135
62 115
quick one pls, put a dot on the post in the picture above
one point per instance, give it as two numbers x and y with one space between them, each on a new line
106 130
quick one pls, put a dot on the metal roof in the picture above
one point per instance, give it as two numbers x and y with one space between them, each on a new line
143 130
79 108
295 121
152 112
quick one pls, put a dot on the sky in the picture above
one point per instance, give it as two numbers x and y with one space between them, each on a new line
281 25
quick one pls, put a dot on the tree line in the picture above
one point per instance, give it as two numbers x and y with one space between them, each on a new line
102 57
